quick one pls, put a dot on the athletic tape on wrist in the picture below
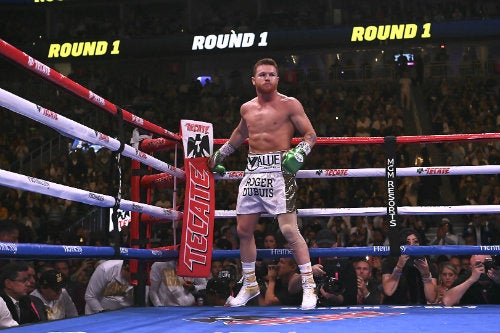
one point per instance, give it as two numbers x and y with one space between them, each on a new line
227 149
305 147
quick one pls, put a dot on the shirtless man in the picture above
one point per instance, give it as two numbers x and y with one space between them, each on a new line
269 122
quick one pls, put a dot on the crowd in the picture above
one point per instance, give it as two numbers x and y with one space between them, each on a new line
39 291
370 109
130 19
336 108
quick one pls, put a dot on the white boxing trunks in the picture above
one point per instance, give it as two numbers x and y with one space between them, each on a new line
265 188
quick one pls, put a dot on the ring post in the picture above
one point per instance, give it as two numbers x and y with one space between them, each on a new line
195 256
392 204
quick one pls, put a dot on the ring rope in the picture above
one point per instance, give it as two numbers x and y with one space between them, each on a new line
22 182
363 140
42 251
71 193
74 129
59 79
379 211
380 172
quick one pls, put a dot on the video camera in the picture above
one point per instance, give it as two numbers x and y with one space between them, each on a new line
331 282
221 284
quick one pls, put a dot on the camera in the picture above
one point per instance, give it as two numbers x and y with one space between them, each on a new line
331 282
488 264
331 285
220 284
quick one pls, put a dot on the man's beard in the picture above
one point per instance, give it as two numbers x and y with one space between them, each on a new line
266 89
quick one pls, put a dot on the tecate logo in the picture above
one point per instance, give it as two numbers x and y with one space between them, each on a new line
72 249
8 247
95 196
39 181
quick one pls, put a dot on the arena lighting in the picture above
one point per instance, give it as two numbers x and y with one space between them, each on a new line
204 79
410 57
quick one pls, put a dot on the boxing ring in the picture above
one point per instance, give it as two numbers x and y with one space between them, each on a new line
273 319
431 318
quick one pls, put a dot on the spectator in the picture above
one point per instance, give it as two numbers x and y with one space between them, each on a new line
163 201
480 230
9 231
368 288
464 264
219 288
445 235
284 284
335 277
408 280
109 287
75 288
24 308
58 303
6 319
270 242
448 273
405 91
32 278
479 285
215 268
170 289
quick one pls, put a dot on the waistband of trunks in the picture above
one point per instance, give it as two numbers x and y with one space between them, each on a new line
259 163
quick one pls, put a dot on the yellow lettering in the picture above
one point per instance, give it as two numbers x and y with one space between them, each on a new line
383 32
65 50
427 31
77 49
371 33
89 49
397 31
410 31
116 47
357 34
54 51
102 47
389 31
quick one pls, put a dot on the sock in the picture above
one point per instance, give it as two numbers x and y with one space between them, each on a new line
305 268
307 275
249 277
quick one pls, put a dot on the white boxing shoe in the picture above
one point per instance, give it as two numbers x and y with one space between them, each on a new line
309 298
247 292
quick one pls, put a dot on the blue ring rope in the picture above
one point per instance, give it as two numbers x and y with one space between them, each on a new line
42 251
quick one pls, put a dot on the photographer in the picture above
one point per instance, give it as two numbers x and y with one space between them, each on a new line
284 283
408 280
220 288
479 285
169 289
335 277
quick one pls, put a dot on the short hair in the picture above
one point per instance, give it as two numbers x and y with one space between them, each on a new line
265 61
11 270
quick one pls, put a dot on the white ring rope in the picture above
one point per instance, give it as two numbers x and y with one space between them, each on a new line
73 129
378 211
22 182
380 172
